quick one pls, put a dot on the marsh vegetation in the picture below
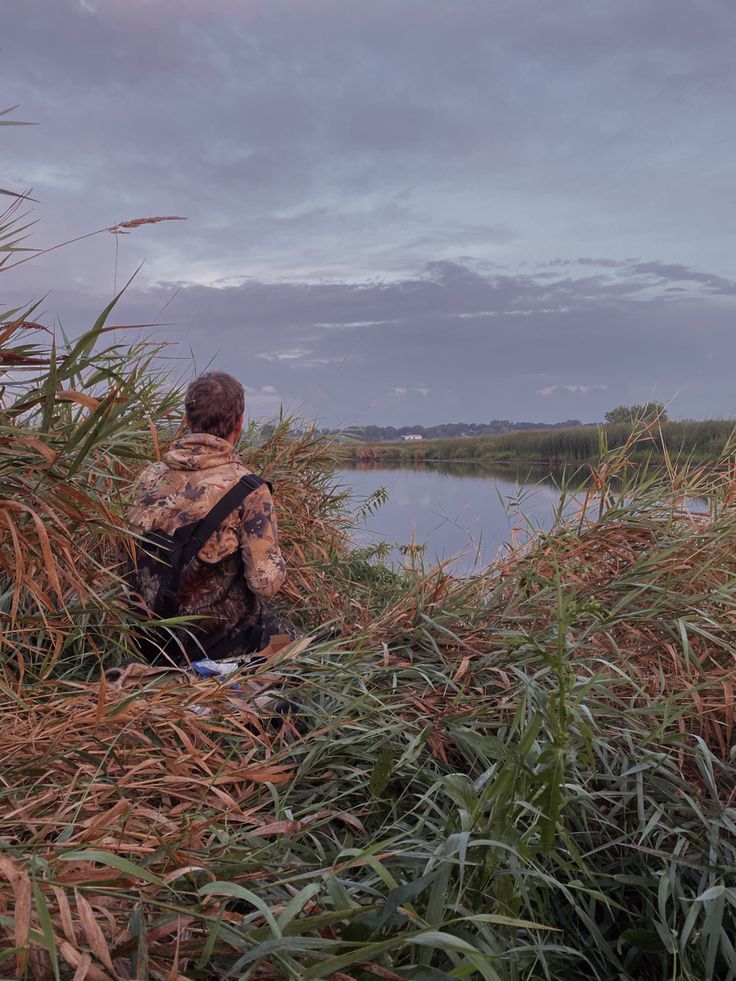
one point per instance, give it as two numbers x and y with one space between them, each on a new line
525 773
656 442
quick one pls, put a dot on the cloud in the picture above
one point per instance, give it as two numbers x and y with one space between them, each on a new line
312 139
469 344
483 199
293 354
664 272
263 402
352 324
572 389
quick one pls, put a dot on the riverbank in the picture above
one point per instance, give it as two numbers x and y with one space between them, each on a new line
702 441
523 771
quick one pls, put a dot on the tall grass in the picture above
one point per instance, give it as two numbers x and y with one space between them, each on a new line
523 774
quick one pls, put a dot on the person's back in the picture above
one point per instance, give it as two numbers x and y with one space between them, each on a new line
240 565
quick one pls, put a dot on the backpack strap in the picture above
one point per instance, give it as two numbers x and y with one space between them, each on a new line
191 538
214 518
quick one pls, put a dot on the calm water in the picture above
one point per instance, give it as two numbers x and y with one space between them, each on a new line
463 511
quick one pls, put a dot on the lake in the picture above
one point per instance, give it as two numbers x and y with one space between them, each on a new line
464 511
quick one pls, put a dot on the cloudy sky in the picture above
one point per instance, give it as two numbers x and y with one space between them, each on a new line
402 211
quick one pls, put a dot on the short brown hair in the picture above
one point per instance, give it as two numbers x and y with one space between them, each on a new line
214 404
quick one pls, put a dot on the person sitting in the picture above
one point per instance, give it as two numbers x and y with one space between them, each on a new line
239 566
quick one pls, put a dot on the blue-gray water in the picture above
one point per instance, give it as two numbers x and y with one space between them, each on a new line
463 511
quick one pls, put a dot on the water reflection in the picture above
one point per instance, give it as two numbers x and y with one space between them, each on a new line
523 474
461 511
467 512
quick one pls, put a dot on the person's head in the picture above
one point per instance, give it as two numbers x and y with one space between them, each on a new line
214 404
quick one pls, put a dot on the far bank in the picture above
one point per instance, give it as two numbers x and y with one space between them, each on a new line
699 441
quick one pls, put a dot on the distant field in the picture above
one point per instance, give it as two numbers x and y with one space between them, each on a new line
701 441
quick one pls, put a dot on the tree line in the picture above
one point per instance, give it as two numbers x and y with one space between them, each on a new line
447 430
626 415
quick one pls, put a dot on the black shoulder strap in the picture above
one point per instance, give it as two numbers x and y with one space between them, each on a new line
214 518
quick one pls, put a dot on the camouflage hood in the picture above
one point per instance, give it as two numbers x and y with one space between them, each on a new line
199 451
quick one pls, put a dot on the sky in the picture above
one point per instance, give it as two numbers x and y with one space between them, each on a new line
398 212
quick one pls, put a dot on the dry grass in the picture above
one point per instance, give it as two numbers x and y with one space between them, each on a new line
148 774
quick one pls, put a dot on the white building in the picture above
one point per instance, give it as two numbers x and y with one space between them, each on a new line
411 436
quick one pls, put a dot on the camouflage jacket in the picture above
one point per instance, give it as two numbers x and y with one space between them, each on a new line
241 562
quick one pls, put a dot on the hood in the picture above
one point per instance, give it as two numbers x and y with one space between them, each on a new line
199 451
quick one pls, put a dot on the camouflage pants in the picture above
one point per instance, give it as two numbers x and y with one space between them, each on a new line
250 636
273 624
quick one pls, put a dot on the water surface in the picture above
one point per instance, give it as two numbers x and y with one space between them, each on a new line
466 512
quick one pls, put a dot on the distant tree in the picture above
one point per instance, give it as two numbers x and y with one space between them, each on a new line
648 412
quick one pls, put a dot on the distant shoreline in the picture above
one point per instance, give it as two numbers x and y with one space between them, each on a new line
491 462
700 442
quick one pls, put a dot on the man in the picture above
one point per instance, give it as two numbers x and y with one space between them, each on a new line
240 565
